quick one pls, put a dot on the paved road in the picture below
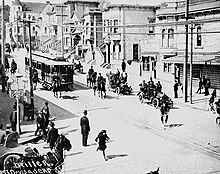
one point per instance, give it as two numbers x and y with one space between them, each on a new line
139 142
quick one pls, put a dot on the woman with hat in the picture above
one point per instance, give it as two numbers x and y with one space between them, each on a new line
102 138
52 135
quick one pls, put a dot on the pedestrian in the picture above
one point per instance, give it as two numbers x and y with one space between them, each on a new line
175 87
35 79
123 65
158 87
207 86
13 119
164 111
46 111
204 81
13 66
52 135
102 138
217 104
2 134
40 125
211 101
199 90
85 128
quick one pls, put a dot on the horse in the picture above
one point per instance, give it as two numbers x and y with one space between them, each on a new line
91 79
56 157
56 86
101 88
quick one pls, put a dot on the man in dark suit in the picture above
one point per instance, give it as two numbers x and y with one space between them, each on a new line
52 135
46 111
85 128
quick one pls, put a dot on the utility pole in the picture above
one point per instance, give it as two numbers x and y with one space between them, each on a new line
30 69
31 72
62 41
3 48
191 63
17 28
185 69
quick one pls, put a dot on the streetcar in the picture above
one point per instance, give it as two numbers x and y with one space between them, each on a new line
49 68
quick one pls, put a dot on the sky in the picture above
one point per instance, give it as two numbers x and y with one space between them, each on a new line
140 2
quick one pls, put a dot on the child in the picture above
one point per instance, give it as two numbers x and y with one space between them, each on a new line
102 138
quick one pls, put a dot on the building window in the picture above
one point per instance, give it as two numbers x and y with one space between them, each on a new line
33 29
146 63
198 37
45 29
135 52
19 8
110 23
167 67
163 37
151 30
170 37
115 24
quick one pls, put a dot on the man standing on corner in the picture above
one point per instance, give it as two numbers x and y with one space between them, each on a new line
85 128
123 65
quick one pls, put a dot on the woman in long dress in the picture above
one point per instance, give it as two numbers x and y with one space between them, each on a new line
102 138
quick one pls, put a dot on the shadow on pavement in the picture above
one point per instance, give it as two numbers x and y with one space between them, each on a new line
173 125
76 153
70 97
116 156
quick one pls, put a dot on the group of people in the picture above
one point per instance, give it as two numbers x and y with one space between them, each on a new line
204 83
102 137
150 88
45 127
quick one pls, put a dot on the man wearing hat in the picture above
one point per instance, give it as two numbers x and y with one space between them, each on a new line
85 128
52 135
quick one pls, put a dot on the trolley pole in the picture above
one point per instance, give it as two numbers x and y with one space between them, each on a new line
3 49
185 69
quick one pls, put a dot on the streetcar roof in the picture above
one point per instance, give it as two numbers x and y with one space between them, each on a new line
50 62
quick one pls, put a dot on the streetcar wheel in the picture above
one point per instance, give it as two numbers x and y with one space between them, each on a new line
155 102
218 121
9 161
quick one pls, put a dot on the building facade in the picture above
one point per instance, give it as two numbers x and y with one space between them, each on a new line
203 42
19 12
122 41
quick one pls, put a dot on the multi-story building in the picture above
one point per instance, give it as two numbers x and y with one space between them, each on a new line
122 41
92 34
19 12
203 43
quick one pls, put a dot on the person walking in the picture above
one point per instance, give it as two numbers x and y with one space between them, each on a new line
102 138
46 111
85 128
123 65
207 86
40 125
52 135
2 134
175 88
199 90
164 110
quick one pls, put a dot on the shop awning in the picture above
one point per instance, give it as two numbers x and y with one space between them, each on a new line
197 59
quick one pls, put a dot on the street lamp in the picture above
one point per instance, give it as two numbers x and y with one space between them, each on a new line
14 84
